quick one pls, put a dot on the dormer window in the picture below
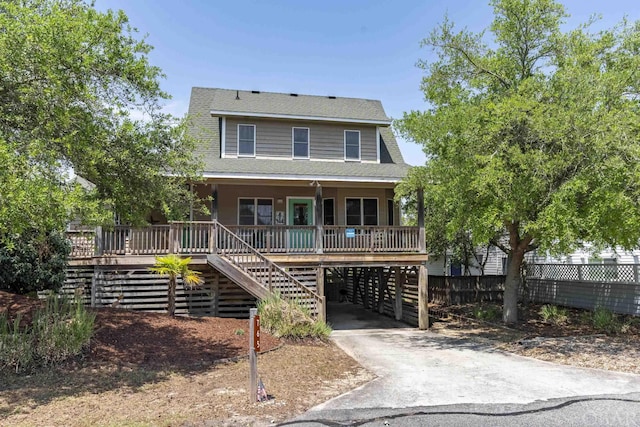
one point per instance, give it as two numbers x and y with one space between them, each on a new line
300 138
246 140
352 145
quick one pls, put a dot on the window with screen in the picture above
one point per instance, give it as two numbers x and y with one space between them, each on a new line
246 140
352 145
300 143
255 212
361 211
328 212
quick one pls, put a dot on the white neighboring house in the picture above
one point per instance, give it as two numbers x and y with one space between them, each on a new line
494 265
496 262
586 256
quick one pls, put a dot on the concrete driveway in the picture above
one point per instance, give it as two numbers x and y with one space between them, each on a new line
418 369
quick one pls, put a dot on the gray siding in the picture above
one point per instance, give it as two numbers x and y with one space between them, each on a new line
273 138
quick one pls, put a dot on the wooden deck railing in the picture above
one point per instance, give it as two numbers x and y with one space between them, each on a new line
278 238
338 238
192 238
83 243
271 276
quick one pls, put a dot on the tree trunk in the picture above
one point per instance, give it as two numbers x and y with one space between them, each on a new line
171 309
511 285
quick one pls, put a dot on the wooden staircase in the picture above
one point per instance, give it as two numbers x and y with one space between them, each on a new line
258 275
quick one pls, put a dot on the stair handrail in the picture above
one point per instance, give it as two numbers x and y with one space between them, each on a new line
271 264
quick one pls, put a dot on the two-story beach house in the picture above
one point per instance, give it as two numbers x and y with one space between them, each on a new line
301 200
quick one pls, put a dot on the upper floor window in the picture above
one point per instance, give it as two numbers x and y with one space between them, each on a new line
362 211
246 140
300 143
352 145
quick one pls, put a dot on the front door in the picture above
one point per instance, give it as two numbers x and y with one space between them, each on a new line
300 212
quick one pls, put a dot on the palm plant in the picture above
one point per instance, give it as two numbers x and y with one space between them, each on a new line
174 266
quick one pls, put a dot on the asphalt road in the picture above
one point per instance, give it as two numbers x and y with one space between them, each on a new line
579 411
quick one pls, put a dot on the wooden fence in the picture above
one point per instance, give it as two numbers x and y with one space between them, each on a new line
588 286
450 290
136 288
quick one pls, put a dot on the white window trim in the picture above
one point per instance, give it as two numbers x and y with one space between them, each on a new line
223 137
334 208
377 144
362 211
255 136
255 212
359 146
293 151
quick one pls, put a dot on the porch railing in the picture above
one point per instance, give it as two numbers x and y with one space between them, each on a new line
339 238
265 272
191 238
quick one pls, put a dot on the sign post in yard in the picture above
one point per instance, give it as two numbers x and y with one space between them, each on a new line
254 348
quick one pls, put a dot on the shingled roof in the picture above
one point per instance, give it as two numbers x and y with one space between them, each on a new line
208 102
270 104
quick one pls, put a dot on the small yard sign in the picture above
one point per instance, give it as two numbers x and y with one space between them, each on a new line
350 232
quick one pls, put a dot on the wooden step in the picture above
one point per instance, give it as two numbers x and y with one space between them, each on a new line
238 276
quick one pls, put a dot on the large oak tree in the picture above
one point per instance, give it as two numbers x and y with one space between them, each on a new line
79 96
532 134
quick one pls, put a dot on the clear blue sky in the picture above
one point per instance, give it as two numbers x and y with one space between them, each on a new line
353 48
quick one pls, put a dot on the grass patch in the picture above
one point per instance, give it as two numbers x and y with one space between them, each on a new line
289 319
605 320
489 313
58 331
553 314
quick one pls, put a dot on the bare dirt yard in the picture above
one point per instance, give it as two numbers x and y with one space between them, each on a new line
149 369
574 341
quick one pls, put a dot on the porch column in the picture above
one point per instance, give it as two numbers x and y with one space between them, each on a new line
399 285
214 202
319 219
422 246
423 298
322 307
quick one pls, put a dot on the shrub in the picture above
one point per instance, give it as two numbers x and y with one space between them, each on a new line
58 331
32 262
553 314
605 320
289 319
16 351
487 313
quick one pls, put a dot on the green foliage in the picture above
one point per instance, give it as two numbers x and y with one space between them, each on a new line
174 266
58 331
489 313
289 319
535 138
16 347
239 331
605 320
553 314
79 95
32 261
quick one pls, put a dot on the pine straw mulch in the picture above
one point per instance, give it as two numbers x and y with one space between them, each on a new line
150 369
575 342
